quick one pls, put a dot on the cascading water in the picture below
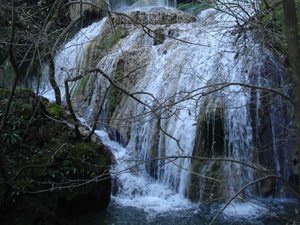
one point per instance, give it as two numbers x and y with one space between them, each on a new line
66 66
124 5
176 116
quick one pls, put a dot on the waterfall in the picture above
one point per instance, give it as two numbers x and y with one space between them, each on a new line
171 77
125 5
70 61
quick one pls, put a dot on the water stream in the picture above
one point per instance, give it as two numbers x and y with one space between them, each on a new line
152 187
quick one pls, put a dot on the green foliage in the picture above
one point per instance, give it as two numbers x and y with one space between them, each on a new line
70 160
86 151
271 18
3 54
12 135
8 73
31 18
55 111
39 152
4 93
15 122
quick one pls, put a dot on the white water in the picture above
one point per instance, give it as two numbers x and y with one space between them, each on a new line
143 5
71 58
175 69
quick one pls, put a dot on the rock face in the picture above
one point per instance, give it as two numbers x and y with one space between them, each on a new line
209 143
92 10
55 177
160 16
160 100
128 65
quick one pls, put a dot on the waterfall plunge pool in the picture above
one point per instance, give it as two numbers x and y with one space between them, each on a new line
263 211
158 204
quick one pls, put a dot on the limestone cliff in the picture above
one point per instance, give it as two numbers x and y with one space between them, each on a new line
166 91
52 176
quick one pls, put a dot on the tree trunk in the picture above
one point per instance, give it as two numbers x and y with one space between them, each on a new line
52 78
4 178
290 22
50 56
68 99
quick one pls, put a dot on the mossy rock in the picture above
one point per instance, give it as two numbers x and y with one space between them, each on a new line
115 95
81 86
214 188
195 180
159 36
55 111
207 178
43 157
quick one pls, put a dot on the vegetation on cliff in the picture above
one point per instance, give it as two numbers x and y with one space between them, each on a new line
50 176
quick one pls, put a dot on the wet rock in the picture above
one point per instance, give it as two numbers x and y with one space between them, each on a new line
92 10
159 17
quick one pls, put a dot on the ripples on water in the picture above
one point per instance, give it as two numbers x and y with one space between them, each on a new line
274 212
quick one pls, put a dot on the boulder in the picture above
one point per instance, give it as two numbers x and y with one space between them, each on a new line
55 177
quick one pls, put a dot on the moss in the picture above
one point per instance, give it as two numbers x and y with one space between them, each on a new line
114 38
85 150
91 87
209 142
45 158
214 186
195 185
45 101
215 134
103 4
54 144
55 111
113 100
200 140
25 111
210 131
115 95
159 37
103 161
4 93
23 90
81 86
111 39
